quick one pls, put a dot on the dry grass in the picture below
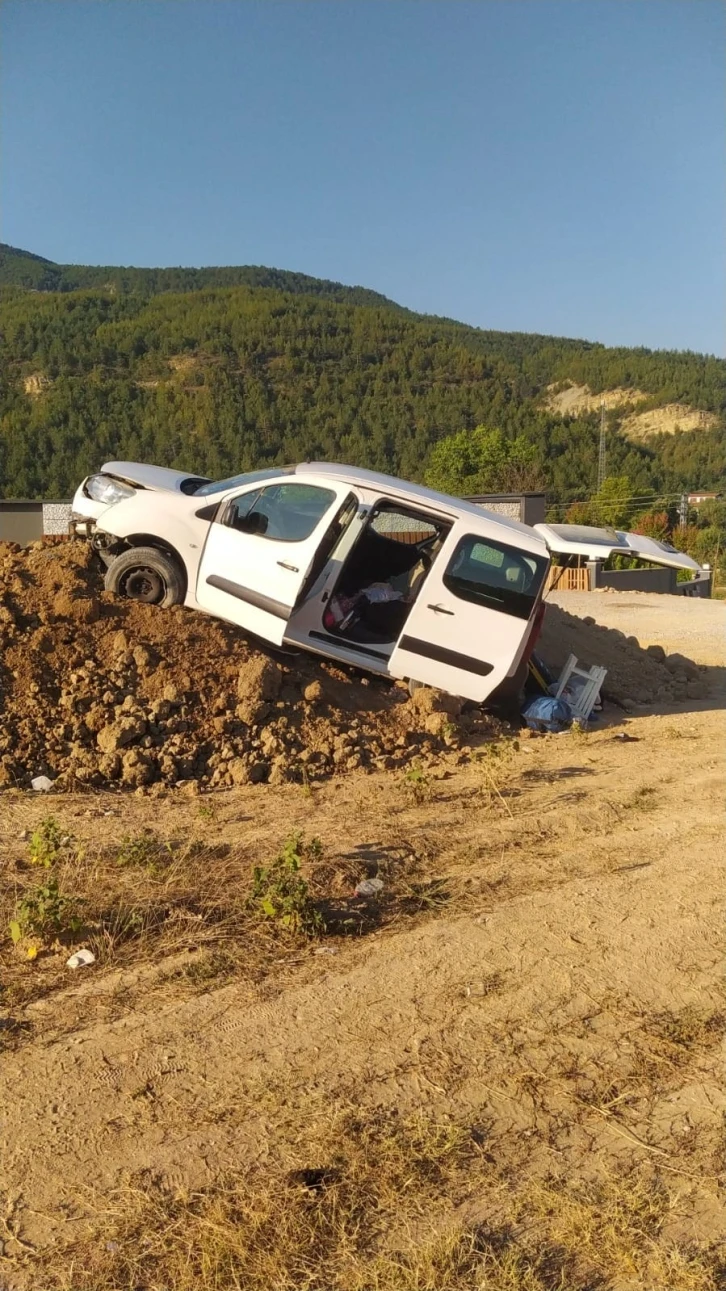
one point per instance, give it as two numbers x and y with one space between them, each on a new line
151 894
138 899
596 1194
644 798
376 1206
672 1042
613 1230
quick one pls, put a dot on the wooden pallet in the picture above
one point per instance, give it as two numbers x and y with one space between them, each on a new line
568 580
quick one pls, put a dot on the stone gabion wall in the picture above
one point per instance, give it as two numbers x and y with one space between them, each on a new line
512 510
56 517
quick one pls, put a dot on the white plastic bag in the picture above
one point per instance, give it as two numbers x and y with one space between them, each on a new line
81 959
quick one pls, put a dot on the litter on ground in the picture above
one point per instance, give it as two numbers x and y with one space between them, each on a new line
81 959
369 887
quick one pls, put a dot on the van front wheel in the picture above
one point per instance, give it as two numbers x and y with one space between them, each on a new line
145 574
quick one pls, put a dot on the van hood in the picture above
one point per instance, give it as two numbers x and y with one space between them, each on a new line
598 544
154 477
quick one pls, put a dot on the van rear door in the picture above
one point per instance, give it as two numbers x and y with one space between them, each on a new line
473 614
599 544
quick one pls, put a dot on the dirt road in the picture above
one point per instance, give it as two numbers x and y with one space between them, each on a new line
563 991
696 629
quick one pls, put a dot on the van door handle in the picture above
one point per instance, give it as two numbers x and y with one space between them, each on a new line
293 568
439 609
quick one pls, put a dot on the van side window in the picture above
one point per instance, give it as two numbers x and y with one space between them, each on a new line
284 512
495 575
400 526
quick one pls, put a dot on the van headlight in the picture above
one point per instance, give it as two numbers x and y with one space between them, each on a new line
102 488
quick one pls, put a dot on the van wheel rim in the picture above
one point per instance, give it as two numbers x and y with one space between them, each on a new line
143 584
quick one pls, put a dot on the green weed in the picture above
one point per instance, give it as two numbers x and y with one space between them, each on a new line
143 849
448 732
579 731
45 912
279 891
46 843
417 783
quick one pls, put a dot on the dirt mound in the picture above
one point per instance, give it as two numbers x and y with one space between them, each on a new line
635 675
96 691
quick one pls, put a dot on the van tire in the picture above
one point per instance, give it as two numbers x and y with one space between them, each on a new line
146 574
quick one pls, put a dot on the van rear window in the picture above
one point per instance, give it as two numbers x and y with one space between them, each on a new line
493 574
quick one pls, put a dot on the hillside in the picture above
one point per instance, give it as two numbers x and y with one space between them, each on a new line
223 369
23 269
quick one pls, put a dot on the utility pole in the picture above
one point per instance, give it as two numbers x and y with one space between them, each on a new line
602 460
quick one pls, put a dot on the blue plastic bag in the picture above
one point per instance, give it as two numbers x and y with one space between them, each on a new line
545 713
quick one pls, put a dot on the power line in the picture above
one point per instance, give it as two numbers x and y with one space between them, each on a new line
646 493
602 507
592 498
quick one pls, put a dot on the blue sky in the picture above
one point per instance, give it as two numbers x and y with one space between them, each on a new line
519 164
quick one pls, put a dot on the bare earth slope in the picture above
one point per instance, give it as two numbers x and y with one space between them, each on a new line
665 420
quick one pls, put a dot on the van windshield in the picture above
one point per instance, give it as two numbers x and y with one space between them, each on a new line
239 481
496 575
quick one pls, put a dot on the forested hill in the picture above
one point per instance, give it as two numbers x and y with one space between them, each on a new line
180 368
23 269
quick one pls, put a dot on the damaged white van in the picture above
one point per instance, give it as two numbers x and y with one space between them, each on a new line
350 564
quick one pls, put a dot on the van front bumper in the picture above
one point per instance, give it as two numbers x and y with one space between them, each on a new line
81 526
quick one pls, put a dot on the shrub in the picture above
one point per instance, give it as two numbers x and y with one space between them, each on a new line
45 912
279 891
46 843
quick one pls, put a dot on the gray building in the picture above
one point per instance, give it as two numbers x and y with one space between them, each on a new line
527 507
24 520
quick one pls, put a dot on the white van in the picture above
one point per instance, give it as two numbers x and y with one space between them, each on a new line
350 564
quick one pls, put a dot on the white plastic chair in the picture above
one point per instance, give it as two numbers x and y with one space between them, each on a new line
580 687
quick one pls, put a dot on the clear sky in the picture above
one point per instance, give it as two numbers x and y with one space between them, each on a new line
536 165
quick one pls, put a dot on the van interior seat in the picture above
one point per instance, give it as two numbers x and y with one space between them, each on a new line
374 559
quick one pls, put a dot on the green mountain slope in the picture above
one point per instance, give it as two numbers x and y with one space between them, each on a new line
23 269
217 377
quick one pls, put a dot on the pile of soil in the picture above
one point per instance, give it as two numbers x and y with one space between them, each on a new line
96 691
635 675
